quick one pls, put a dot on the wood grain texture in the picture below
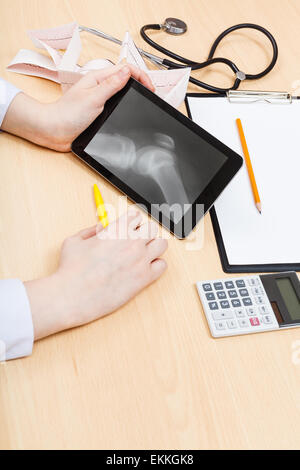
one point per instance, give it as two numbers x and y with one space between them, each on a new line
149 376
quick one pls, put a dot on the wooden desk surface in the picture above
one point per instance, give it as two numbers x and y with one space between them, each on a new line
150 375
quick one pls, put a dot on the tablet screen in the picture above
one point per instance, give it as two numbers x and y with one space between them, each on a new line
154 154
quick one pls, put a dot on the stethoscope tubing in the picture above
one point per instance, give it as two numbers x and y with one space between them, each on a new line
182 62
211 60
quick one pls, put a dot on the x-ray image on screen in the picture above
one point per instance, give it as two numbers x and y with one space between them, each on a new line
153 153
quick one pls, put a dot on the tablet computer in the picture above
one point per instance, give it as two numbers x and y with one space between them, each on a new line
158 157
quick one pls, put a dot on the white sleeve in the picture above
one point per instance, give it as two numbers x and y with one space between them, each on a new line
16 328
7 94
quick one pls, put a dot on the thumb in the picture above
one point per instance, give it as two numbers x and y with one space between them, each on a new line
113 84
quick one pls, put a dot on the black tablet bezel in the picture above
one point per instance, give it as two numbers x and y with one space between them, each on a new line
207 197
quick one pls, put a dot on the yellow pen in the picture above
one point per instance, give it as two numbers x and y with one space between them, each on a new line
101 211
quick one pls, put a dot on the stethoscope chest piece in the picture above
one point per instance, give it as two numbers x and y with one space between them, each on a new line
174 26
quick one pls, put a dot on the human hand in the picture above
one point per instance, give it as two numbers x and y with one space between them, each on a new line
57 124
97 274
85 100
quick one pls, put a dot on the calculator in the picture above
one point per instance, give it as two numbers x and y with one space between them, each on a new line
251 304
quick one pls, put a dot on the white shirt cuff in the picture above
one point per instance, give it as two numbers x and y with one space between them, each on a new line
16 327
7 94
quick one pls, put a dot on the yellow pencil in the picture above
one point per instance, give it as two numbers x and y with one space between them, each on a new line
249 166
101 211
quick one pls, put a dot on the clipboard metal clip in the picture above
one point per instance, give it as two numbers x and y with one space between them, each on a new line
269 97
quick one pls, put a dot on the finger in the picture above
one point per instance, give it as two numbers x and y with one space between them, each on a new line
157 268
89 232
156 248
123 226
133 217
112 84
97 77
141 76
147 232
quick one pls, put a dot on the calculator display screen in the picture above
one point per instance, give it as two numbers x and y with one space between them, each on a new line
289 296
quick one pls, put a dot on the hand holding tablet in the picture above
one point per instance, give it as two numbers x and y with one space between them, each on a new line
158 157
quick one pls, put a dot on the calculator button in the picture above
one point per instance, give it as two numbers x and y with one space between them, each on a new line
240 283
254 321
257 290
236 303
207 287
218 285
213 305
232 324
243 323
224 304
232 294
250 312
239 313
267 319
222 315
210 296
220 325
259 300
243 292
229 285
247 301
221 295
263 309
253 282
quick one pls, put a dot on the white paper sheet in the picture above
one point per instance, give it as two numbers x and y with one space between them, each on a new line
272 134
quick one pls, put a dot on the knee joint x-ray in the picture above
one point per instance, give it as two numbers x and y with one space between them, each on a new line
156 163
154 154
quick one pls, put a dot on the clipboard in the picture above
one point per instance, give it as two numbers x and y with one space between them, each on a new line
248 99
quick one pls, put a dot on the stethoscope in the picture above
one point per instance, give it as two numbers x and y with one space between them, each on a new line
176 27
